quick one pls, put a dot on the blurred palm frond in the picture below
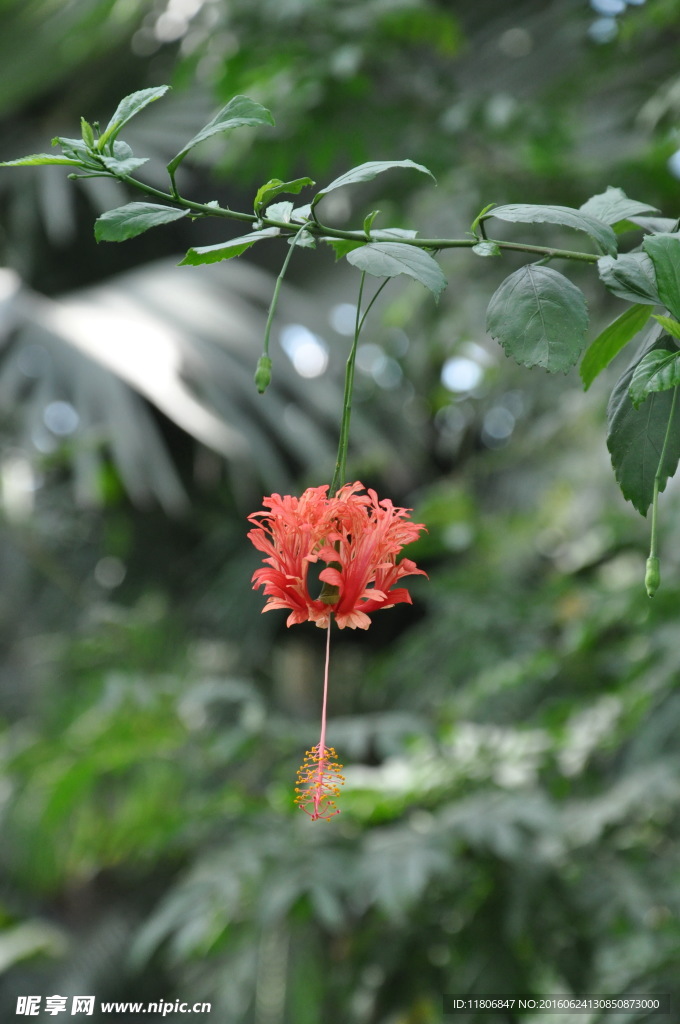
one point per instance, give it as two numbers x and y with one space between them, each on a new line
83 369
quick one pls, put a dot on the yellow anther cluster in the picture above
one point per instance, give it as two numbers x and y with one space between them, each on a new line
319 780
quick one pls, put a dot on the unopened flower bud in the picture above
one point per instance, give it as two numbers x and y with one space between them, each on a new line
652 576
263 374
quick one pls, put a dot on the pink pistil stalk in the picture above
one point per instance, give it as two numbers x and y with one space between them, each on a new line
322 737
319 776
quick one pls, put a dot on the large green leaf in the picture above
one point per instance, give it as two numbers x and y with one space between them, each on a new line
630 276
127 108
609 343
389 259
389 233
225 250
37 159
366 172
540 318
76 149
635 436
342 246
487 249
527 213
664 252
614 206
134 219
239 112
669 325
657 371
656 225
123 167
282 211
122 161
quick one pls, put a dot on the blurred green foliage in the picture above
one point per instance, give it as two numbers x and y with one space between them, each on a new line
509 821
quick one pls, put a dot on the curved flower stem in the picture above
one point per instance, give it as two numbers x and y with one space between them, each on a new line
277 289
263 372
339 473
343 443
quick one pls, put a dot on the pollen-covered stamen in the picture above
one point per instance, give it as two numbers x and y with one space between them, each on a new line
319 780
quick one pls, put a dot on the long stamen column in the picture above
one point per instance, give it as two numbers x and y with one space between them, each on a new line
319 777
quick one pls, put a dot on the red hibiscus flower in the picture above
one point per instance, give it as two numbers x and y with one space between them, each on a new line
356 535
356 538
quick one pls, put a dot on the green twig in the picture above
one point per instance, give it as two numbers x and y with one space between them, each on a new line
323 231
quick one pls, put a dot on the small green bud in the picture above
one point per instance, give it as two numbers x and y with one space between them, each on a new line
330 594
87 133
652 576
263 374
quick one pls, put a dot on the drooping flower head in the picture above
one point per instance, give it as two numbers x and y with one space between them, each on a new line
356 537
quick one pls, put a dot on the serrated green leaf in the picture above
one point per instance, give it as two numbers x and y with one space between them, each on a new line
664 252
613 338
123 167
239 112
38 159
527 213
280 211
656 225
635 437
225 250
367 172
276 187
302 213
614 206
389 259
76 150
486 249
671 327
128 107
305 240
622 226
390 233
129 221
341 246
657 371
87 133
540 318
480 216
121 150
630 276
